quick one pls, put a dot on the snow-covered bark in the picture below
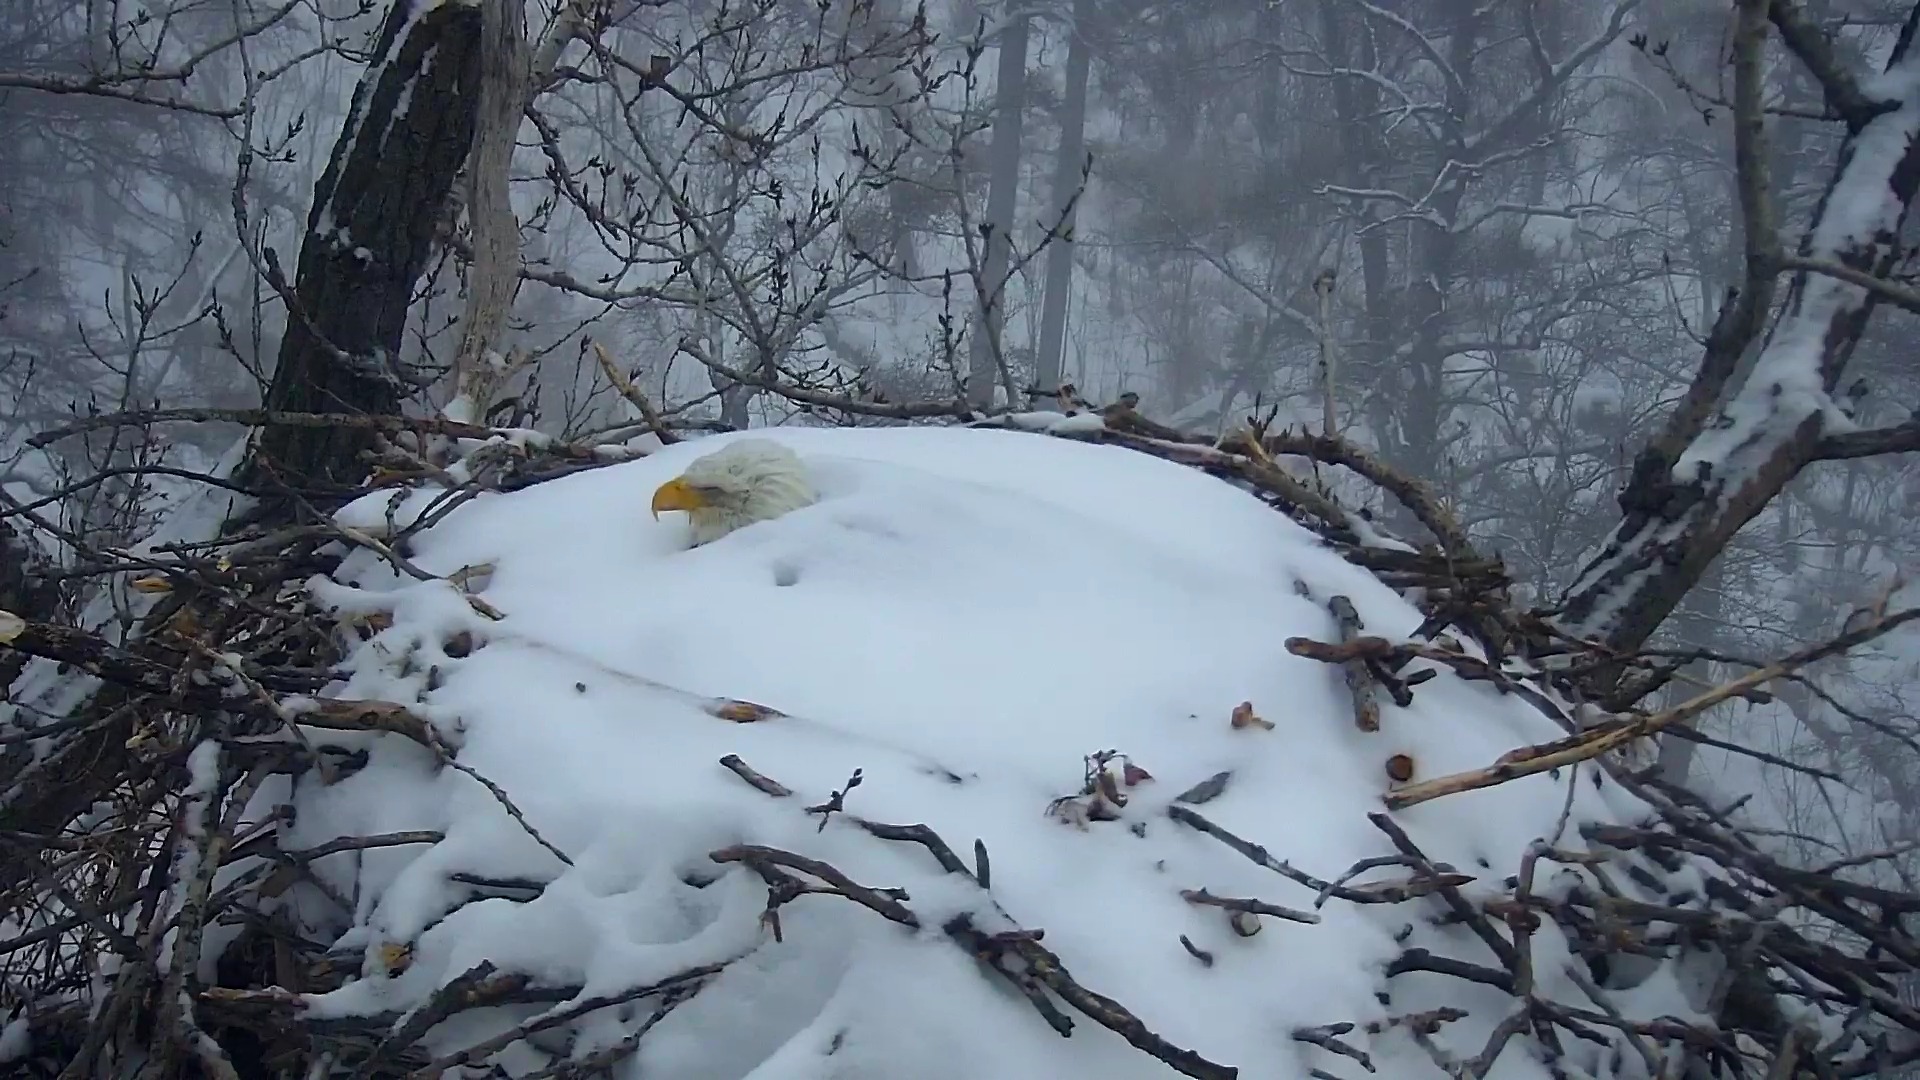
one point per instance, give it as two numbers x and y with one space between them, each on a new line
1685 502
376 213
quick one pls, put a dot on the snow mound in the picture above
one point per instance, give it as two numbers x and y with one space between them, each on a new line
963 616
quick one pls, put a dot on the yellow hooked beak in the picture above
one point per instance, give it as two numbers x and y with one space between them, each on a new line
677 494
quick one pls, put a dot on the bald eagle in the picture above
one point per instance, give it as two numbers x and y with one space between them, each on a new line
745 481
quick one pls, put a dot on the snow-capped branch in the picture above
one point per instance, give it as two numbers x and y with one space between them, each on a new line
1905 297
1013 953
1698 483
1746 308
1805 40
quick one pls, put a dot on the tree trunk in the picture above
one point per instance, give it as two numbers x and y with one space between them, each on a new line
985 354
493 279
1069 175
1433 261
1363 158
1681 508
376 212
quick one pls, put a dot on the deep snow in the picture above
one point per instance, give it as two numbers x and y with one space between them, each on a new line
964 616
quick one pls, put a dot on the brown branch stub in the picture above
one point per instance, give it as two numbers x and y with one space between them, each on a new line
1358 648
1327 1037
344 714
886 903
1203 898
738 767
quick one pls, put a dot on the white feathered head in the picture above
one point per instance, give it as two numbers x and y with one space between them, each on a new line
745 481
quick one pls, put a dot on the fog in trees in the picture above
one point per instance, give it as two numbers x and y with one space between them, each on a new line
1612 301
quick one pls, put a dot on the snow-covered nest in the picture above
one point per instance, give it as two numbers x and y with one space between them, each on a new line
964 617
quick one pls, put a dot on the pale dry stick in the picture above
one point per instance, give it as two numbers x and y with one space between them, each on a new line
202 842
495 274
1595 741
634 395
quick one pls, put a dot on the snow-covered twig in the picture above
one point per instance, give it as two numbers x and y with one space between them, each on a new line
672 991
1366 710
1904 297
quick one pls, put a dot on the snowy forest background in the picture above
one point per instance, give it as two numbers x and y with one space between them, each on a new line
1512 225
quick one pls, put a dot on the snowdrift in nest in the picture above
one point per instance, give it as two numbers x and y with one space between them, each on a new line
968 619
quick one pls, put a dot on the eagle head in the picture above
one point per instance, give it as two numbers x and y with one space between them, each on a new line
745 481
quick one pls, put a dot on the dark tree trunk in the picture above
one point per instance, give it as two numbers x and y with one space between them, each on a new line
376 210
1070 167
987 351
